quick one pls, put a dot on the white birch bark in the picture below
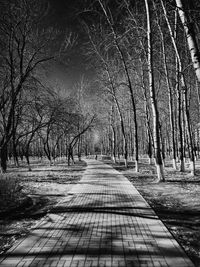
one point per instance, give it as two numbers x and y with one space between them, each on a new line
169 95
156 133
191 39
184 89
126 72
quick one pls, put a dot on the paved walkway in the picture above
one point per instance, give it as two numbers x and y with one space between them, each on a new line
104 221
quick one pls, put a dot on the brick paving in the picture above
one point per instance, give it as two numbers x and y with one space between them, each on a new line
103 221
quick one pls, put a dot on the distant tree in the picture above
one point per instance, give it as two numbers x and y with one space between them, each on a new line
33 119
106 84
81 125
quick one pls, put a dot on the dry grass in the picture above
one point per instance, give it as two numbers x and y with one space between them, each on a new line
10 192
26 196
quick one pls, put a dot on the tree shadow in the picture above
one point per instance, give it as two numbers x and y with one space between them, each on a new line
124 242
97 228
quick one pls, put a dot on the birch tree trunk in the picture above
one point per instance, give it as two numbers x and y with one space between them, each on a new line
111 90
179 124
126 72
179 108
113 131
125 143
156 133
191 39
170 95
147 113
185 93
198 96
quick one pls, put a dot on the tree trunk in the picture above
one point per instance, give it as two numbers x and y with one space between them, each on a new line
191 38
15 154
149 148
147 112
156 134
125 68
180 113
170 100
133 104
125 145
162 142
188 126
185 93
181 150
113 131
27 159
48 154
4 157
79 148
198 96
70 155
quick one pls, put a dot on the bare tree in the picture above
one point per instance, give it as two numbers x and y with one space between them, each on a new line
128 79
109 84
185 92
83 125
169 88
156 133
22 52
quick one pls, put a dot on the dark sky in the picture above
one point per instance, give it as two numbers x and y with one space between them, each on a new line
63 12
64 15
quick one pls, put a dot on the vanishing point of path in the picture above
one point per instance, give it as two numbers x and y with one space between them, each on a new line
103 221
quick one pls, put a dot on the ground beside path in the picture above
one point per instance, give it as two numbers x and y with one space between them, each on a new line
103 221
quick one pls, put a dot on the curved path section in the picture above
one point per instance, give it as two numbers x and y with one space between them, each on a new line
104 221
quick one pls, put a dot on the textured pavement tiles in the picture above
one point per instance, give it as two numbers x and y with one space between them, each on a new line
103 221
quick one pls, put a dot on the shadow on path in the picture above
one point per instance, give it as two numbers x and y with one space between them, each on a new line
104 222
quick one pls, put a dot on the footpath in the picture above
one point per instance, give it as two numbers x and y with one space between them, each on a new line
103 221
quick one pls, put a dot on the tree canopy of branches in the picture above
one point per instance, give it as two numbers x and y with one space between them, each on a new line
148 71
33 115
144 100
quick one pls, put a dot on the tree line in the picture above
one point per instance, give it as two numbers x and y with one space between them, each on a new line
146 55
36 118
